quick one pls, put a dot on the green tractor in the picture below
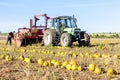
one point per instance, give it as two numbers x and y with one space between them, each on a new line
62 30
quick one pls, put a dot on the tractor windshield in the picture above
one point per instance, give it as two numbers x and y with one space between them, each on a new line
57 23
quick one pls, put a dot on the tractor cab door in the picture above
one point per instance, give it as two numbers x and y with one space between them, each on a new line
59 24
62 25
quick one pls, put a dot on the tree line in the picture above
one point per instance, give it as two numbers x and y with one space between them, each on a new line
105 35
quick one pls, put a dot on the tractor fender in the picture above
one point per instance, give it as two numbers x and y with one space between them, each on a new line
82 32
68 33
64 32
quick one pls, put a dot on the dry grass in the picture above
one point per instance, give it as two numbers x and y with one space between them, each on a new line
19 70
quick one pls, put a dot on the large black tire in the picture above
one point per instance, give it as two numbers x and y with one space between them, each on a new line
85 41
65 39
26 41
49 37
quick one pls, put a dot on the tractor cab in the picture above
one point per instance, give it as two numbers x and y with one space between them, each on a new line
64 24
61 22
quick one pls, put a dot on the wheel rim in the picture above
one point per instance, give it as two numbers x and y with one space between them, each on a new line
48 39
65 40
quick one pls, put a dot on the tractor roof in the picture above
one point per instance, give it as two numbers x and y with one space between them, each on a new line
62 17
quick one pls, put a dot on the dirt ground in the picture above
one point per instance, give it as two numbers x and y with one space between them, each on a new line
20 70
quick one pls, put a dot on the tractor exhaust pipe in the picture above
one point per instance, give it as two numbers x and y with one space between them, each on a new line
31 23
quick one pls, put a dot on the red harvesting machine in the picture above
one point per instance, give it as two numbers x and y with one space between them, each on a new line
34 34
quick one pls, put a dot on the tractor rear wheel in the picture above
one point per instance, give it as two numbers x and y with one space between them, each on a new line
85 41
49 37
66 40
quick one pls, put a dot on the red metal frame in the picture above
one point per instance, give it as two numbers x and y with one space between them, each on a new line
40 28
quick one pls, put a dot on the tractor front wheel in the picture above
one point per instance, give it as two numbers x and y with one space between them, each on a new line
66 40
85 41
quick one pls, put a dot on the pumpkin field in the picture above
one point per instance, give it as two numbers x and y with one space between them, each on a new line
99 61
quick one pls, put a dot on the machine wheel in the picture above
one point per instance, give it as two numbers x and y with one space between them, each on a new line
18 39
66 40
26 41
85 41
49 37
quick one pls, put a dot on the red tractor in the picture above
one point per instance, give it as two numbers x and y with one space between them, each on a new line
34 34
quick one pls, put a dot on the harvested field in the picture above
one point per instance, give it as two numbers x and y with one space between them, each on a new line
47 63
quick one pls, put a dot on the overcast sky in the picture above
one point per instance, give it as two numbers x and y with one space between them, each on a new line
92 15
